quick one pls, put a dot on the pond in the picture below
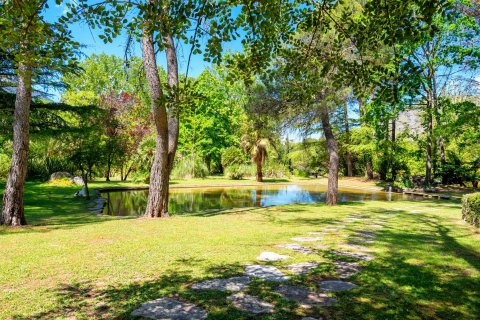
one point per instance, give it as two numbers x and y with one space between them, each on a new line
188 200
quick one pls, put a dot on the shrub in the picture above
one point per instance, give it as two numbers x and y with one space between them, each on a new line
4 166
236 171
62 182
185 168
231 156
276 171
471 208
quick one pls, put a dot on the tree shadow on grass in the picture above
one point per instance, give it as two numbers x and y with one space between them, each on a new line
92 301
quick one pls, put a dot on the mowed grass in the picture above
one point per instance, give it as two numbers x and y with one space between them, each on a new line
75 265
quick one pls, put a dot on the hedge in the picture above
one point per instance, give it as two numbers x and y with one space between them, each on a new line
471 208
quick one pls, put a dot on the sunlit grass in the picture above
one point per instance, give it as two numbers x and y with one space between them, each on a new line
70 263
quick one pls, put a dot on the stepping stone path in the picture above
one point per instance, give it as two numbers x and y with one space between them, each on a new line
271 256
346 269
318 232
229 284
362 240
355 247
265 272
250 304
374 225
304 296
336 286
307 239
356 255
297 248
363 234
169 308
302 267
321 246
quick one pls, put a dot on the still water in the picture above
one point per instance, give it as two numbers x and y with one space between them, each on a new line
134 202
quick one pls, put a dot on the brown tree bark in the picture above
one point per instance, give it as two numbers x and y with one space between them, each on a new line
259 171
13 210
173 82
369 168
333 162
157 203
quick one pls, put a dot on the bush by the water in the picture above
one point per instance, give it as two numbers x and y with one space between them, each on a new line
471 208
276 170
187 168
231 156
237 171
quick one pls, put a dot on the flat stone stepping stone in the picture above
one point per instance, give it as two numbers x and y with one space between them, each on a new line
374 225
356 255
346 269
317 233
169 308
271 256
270 273
307 239
305 297
228 284
250 304
355 247
364 235
302 267
321 246
361 240
297 248
336 286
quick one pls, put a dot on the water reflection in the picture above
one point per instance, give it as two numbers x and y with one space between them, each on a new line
133 203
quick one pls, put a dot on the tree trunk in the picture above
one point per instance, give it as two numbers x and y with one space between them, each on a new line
85 185
259 170
13 210
157 203
369 168
333 162
127 173
441 143
109 167
173 121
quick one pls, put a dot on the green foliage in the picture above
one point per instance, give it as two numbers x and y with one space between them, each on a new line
211 118
237 171
188 168
4 166
232 155
102 74
276 170
471 208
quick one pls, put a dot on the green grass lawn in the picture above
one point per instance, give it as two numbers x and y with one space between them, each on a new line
75 265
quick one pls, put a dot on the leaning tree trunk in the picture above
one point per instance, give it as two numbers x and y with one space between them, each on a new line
333 162
173 82
13 210
157 203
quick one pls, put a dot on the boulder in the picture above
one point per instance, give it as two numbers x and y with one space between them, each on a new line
78 180
60 175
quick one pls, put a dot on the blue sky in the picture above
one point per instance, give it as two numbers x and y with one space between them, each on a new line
93 44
